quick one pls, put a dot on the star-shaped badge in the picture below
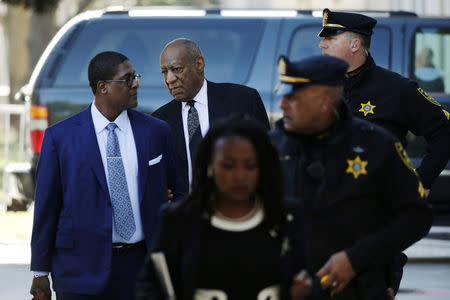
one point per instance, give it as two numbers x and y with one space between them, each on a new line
356 167
367 108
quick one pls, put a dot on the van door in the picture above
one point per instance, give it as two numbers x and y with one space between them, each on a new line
428 62
298 40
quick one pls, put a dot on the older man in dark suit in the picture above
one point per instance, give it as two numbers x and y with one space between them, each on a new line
197 102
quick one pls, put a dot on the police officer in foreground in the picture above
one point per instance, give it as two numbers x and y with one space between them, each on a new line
383 97
362 200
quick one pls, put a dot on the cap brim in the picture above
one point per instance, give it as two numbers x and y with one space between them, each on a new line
329 31
283 89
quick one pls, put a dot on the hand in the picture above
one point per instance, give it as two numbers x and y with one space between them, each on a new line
40 288
337 272
301 286
426 192
169 195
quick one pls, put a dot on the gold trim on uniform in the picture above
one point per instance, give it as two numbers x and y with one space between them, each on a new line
325 18
334 25
356 167
447 115
292 79
285 157
404 157
354 72
282 67
367 108
421 190
429 98
325 21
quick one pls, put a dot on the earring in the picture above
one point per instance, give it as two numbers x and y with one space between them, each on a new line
209 172
104 91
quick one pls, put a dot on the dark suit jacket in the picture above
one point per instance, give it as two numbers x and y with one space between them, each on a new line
224 99
180 237
72 228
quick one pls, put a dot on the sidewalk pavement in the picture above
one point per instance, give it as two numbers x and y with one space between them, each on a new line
432 248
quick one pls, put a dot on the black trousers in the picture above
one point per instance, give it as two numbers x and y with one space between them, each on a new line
126 263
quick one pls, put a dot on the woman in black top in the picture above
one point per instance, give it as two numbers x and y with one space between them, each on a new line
232 237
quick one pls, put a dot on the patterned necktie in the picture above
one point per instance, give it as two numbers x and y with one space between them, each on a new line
118 189
195 134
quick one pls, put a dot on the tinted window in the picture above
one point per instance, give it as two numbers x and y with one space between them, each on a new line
432 59
228 47
431 70
305 43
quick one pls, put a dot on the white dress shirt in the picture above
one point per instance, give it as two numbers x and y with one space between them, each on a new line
128 152
127 147
201 104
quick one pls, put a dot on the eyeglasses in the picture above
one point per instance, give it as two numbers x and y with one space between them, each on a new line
129 81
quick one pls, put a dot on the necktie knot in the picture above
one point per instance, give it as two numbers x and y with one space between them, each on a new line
191 103
111 127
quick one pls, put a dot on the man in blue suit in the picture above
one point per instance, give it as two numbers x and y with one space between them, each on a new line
101 178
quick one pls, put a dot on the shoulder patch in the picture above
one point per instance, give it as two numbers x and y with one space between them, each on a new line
404 157
428 97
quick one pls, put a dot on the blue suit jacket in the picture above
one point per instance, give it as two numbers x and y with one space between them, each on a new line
72 231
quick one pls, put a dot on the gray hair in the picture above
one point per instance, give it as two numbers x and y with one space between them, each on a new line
191 47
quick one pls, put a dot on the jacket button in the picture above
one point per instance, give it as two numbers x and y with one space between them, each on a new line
109 230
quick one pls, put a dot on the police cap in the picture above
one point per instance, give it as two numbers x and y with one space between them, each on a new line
326 70
338 22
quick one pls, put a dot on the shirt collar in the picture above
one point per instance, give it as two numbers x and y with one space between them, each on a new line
202 95
100 121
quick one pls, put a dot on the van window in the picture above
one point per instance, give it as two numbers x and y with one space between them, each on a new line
305 42
228 47
431 68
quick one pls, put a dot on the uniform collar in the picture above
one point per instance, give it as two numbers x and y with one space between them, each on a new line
332 135
356 76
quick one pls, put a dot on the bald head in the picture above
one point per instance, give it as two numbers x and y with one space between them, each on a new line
182 66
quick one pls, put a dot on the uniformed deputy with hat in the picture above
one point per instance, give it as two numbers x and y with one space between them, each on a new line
362 199
383 97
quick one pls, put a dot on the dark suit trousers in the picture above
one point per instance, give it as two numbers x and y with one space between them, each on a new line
122 281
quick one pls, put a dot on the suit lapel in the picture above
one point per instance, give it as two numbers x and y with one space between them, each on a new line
216 106
90 144
142 143
176 124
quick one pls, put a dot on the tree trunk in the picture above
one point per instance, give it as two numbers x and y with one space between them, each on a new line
42 29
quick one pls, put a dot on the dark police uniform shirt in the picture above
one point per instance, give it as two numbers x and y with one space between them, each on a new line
398 104
359 193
